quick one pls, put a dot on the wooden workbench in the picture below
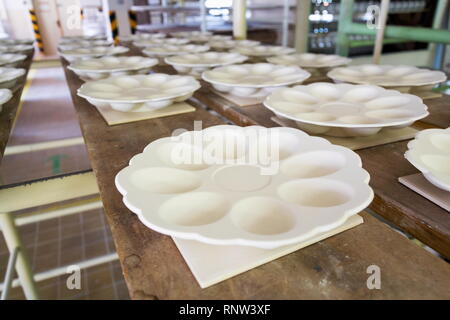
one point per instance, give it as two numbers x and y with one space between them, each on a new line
335 268
10 109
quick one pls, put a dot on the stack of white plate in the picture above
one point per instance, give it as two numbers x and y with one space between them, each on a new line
13 42
71 39
139 93
346 110
263 51
253 80
214 186
17 48
100 68
198 36
142 36
430 153
84 44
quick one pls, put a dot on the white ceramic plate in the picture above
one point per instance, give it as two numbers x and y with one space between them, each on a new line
67 40
253 80
16 41
9 77
163 51
11 59
229 44
93 52
198 36
19 48
5 96
85 44
430 153
100 68
310 60
346 109
387 75
206 186
157 42
139 93
263 50
195 63
142 36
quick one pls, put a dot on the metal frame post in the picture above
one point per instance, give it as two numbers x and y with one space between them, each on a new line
23 267
302 25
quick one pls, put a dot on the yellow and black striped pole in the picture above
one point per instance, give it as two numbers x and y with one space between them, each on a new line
81 14
114 26
37 33
133 21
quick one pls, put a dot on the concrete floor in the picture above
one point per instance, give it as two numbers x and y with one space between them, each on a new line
64 240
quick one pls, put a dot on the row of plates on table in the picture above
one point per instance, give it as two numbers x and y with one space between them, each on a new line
12 53
206 185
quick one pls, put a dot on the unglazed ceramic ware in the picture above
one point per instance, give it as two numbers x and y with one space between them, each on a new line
316 64
5 96
142 36
198 36
9 77
157 42
207 186
253 80
66 40
11 59
430 153
263 50
16 41
229 44
163 51
195 63
100 68
85 44
18 48
400 77
139 93
93 52
345 110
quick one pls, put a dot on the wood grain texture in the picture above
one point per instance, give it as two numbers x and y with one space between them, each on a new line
408 210
9 109
332 269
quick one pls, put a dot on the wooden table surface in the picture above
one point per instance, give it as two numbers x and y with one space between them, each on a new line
407 209
9 110
335 268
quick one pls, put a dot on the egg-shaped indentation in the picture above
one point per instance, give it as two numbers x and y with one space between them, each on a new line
241 178
388 102
127 82
298 96
182 156
291 107
224 144
316 116
164 180
357 120
155 79
441 142
400 71
194 209
315 193
372 69
360 94
390 114
313 164
340 108
324 91
438 163
276 146
417 75
263 216
262 68
106 87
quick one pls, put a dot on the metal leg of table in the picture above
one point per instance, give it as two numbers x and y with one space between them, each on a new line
23 267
